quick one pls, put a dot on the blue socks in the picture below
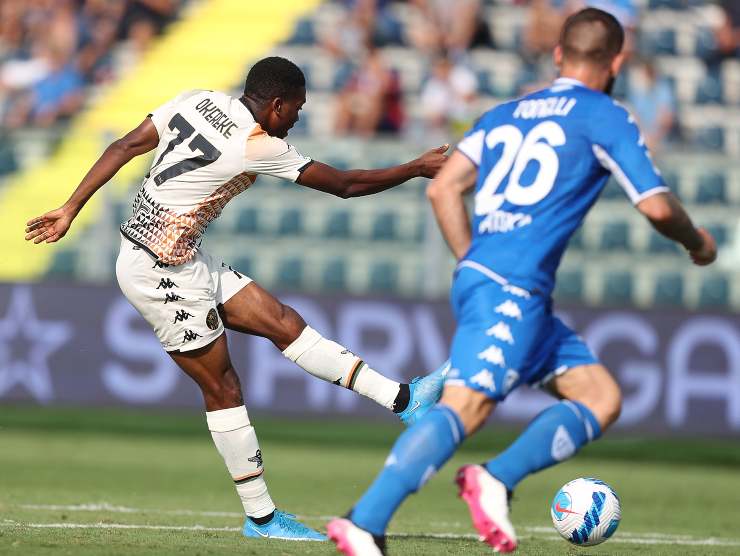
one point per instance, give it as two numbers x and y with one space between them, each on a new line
416 456
556 434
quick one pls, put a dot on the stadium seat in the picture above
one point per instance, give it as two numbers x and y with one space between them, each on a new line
385 227
710 138
658 42
709 90
290 273
303 34
668 289
242 264
334 275
705 43
661 244
569 286
338 225
383 277
291 223
64 265
248 221
617 288
711 189
576 240
714 292
667 4
615 236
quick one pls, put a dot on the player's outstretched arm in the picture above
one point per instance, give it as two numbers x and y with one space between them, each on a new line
53 225
356 183
667 215
446 195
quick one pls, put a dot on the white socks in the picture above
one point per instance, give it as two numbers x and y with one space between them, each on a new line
236 441
329 361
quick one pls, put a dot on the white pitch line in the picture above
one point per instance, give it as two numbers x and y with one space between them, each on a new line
623 538
106 507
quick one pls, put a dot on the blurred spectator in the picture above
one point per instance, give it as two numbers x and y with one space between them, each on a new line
51 49
653 103
144 19
546 17
447 98
542 29
371 101
58 94
441 25
727 35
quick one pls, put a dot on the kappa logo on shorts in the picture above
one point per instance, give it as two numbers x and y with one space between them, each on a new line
212 319
166 283
172 297
484 379
257 458
494 355
501 331
190 336
160 264
509 309
182 315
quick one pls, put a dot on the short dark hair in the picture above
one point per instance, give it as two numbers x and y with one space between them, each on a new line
273 77
591 36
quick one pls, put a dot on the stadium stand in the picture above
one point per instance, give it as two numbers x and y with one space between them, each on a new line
293 239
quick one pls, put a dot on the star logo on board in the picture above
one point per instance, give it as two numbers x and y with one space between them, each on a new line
25 345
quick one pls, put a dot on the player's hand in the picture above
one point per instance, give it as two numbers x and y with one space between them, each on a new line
49 227
431 161
707 253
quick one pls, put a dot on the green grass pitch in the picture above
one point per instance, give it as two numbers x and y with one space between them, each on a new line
85 482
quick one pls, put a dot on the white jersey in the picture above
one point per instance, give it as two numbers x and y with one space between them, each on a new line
210 150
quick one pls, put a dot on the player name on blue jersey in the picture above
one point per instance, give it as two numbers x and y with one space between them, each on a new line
542 162
544 108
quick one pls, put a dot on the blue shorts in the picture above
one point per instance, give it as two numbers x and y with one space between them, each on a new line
507 336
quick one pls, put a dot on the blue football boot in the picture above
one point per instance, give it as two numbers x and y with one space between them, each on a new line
282 526
424 393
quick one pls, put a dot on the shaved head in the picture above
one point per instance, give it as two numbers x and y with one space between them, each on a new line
591 36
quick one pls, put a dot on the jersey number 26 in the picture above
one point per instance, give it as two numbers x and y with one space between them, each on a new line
518 152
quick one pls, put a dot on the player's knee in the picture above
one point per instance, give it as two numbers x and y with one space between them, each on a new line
605 402
471 406
291 326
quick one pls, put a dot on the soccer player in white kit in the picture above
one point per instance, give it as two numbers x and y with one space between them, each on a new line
209 148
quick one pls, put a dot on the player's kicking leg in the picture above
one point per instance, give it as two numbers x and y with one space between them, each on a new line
253 310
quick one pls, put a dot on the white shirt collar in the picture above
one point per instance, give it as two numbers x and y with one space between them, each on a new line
561 81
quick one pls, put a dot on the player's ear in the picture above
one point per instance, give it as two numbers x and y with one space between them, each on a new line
277 105
557 56
617 63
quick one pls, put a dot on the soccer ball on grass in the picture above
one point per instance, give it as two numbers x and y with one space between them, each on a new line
586 512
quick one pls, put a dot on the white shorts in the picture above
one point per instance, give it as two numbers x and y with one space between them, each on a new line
179 302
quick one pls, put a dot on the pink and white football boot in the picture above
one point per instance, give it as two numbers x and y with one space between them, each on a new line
353 541
487 499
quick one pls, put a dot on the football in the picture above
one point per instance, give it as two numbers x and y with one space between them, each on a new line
586 511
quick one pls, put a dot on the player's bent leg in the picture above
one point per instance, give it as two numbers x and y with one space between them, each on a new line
255 311
590 401
594 387
236 441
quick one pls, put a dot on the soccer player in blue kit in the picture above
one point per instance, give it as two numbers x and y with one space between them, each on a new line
538 164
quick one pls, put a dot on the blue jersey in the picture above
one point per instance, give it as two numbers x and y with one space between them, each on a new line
542 162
